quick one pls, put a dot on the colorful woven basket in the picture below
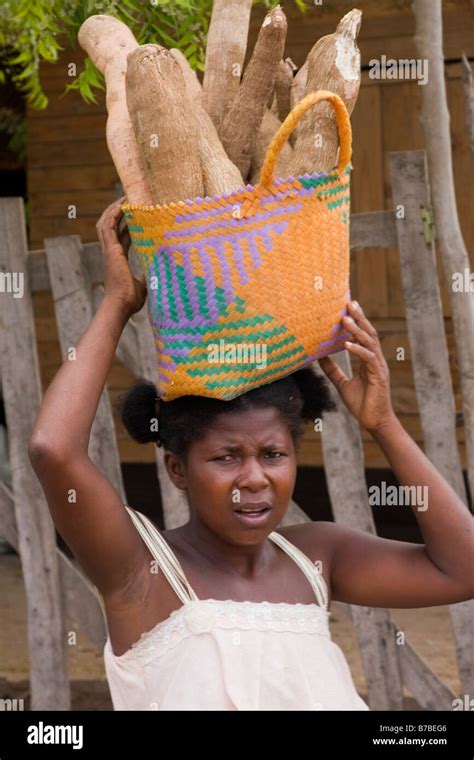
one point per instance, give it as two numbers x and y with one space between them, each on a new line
251 286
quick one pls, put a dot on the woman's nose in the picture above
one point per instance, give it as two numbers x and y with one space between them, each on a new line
252 474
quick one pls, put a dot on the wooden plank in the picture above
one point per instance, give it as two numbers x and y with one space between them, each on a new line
69 153
368 191
66 128
61 103
408 135
430 359
80 598
60 226
56 204
37 541
373 229
428 690
73 306
92 261
344 468
57 178
463 165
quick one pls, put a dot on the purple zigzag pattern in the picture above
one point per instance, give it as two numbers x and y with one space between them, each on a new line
217 244
232 224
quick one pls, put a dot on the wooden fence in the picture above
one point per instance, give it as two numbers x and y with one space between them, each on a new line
55 586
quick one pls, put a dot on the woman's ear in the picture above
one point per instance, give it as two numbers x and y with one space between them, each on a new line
175 469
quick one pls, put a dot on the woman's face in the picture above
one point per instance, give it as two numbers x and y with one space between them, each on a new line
246 460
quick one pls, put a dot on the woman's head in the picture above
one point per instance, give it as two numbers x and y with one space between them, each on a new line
227 455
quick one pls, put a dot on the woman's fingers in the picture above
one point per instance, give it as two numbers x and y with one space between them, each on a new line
363 331
333 372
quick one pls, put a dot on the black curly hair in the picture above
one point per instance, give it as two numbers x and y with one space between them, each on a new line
176 424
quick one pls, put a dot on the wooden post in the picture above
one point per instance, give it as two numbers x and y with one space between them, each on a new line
430 357
468 84
435 117
344 468
81 600
21 386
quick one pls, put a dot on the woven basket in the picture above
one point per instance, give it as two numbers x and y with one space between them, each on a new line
251 286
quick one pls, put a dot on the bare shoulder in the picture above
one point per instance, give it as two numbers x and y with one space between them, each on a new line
315 539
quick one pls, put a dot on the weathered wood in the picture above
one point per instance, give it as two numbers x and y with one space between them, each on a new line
167 134
21 387
468 84
430 357
81 600
374 229
225 55
344 467
450 243
429 691
73 307
242 122
220 175
368 161
334 65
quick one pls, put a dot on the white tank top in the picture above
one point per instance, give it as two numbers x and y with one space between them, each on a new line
226 655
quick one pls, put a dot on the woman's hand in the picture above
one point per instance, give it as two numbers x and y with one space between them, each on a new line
119 282
367 393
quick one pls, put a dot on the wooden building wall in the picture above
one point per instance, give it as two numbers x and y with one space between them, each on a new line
68 163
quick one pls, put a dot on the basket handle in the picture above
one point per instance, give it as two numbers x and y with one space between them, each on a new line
267 175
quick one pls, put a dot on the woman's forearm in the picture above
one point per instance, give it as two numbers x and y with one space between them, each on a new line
70 404
445 522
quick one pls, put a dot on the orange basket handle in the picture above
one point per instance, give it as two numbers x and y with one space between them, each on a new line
267 175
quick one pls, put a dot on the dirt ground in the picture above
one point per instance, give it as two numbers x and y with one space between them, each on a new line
428 630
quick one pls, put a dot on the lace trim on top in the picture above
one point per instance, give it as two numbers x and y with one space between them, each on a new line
205 615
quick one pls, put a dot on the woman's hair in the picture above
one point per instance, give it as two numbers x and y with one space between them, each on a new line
176 424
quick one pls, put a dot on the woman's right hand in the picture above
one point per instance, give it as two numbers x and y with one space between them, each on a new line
119 282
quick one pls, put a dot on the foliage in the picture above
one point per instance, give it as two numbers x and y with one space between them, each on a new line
31 31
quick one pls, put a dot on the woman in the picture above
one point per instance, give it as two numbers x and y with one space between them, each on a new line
229 611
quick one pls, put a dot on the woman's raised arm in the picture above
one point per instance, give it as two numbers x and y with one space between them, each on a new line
86 509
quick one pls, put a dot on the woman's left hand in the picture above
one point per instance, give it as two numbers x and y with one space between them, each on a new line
367 393
119 282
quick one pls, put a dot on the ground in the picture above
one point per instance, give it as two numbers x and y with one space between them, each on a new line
427 629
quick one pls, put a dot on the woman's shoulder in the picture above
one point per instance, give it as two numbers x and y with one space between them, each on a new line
316 539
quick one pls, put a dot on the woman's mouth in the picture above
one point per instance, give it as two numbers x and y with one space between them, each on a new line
253 514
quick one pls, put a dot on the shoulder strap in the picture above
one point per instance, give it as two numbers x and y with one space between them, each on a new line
163 554
308 568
